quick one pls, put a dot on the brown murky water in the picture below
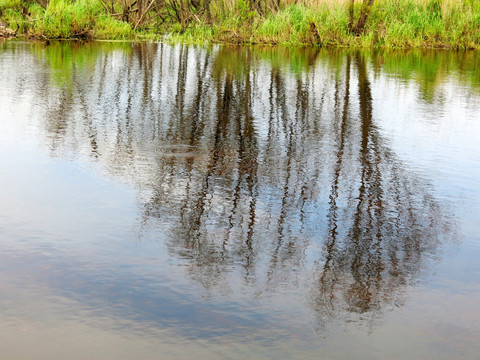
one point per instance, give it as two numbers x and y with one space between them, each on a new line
171 202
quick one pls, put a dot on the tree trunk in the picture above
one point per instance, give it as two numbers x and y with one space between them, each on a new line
351 13
364 14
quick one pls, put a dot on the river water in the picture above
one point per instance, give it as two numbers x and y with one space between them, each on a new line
179 202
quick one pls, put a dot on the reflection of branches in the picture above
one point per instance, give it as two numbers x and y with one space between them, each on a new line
389 233
326 285
249 171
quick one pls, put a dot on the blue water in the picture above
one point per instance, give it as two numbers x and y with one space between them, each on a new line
173 202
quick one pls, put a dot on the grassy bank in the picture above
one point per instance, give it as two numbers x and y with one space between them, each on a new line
63 19
342 23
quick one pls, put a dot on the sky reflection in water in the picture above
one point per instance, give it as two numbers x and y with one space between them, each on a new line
237 202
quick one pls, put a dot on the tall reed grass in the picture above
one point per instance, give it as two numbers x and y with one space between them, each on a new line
63 19
390 23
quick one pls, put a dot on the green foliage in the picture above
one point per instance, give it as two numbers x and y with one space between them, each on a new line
391 23
69 19
9 4
10 11
196 34
108 28
243 12
64 19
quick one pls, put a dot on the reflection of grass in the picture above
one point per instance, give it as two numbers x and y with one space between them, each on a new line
428 68
63 58
431 68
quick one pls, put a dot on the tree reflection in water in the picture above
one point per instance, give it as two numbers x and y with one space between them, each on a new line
274 170
380 241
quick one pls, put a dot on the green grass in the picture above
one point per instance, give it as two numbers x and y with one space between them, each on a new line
65 19
108 28
391 24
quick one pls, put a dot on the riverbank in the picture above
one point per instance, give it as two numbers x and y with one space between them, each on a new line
340 23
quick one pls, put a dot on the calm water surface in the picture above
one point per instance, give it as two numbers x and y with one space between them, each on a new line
171 202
